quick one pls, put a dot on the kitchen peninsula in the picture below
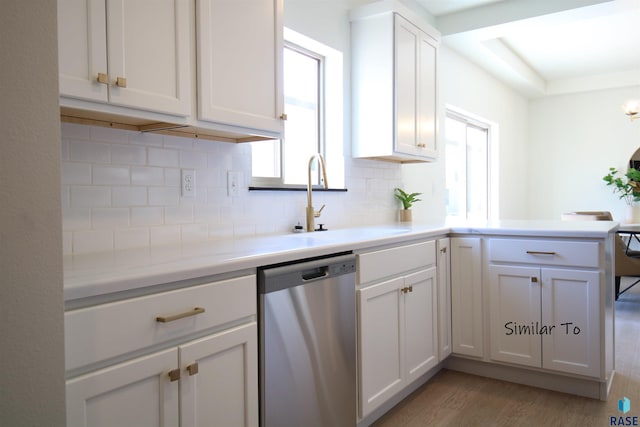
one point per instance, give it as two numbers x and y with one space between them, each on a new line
483 278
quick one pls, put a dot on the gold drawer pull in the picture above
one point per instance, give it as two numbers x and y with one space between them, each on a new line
121 82
193 312
174 375
283 116
103 78
540 253
193 368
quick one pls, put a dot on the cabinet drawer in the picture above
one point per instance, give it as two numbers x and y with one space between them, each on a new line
390 262
544 252
101 332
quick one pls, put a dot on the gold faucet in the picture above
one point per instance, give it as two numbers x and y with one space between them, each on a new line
311 212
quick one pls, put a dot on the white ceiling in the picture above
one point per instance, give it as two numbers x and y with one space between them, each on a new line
545 47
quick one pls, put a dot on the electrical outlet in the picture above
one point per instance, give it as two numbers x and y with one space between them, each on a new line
188 182
233 183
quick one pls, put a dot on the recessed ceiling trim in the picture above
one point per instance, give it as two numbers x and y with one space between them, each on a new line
504 12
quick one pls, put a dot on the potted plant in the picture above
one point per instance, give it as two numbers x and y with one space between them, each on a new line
407 200
628 188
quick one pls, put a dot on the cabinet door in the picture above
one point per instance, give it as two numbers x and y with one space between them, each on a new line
466 296
444 298
380 327
220 379
407 44
514 311
421 323
149 46
82 48
415 66
138 392
427 97
571 302
240 63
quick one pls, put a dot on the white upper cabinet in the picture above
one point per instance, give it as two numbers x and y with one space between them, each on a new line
239 57
394 80
132 53
210 69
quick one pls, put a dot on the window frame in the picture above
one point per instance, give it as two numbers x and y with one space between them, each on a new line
491 129
329 123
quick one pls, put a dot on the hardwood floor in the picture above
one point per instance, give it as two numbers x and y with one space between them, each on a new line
457 399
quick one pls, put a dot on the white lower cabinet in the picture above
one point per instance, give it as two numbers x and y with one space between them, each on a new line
444 298
210 381
466 296
176 374
397 329
546 318
137 392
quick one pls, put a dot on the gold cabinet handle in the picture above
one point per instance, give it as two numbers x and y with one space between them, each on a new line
283 116
103 78
410 288
121 82
174 375
540 253
192 369
167 319
443 250
534 280
422 145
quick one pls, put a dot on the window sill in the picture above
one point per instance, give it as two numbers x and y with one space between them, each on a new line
337 190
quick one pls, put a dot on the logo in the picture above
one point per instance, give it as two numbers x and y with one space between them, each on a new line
624 406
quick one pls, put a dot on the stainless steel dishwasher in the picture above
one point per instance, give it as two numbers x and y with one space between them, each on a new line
307 343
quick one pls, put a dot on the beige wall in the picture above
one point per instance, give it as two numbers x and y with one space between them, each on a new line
31 301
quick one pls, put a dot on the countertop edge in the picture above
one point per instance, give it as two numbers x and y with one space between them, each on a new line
82 284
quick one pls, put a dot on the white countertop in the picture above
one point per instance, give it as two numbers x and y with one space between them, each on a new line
104 273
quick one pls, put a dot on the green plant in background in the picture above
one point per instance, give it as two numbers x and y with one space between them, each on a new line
405 198
628 185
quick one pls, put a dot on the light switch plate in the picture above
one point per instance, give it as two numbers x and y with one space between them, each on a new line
233 183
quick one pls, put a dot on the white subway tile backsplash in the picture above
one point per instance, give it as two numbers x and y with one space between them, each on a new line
168 234
178 214
92 241
178 143
131 238
142 175
172 177
147 216
76 173
163 157
128 155
76 219
111 175
194 232
89 152
164 196
148 139
89 196
129 196
193 159
109 217
121 189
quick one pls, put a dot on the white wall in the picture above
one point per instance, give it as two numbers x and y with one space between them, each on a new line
574 139
31 301
468 87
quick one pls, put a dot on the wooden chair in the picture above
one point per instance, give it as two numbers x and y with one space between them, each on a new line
625 265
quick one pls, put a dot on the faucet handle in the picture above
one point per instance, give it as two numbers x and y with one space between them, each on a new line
316 214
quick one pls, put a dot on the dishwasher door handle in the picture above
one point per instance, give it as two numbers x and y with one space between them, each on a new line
315 273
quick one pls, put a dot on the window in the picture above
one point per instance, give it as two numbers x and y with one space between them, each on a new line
312 86
467 164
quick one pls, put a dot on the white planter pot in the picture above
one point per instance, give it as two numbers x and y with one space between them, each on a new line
632 214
